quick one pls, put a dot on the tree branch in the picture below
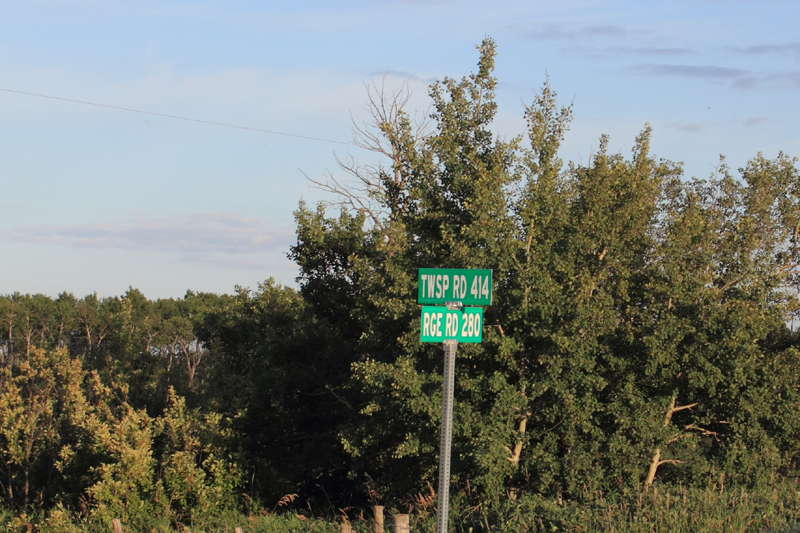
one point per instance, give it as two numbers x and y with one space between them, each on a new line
514 455
339 398
671 462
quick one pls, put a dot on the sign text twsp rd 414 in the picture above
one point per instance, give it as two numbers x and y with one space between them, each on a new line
442 285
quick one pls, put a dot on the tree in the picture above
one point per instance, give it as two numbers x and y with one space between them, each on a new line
31 407
638 331
279 371
449 207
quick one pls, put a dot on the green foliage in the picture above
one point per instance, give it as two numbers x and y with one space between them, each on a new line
199 480
636 359
639 325
69 440
35 398
185 478
150 345
279 371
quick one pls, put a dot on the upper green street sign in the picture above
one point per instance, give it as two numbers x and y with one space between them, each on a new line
468 286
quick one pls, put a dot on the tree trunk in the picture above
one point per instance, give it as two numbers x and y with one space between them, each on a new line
514 455
656 461
651 472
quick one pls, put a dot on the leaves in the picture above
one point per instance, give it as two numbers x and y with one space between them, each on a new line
620 287
640 335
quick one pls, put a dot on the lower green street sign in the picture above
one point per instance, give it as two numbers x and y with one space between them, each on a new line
440 323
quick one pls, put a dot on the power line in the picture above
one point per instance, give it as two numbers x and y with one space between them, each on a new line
176 117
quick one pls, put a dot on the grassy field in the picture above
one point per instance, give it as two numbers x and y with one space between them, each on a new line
715 508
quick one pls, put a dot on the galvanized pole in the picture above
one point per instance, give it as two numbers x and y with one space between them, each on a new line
450 347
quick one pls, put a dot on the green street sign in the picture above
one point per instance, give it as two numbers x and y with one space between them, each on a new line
468 286
441 323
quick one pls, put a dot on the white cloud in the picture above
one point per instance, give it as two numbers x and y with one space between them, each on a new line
688 127
786 80
548 32
738 78
237 262
199 235
763 49
652 51
756 121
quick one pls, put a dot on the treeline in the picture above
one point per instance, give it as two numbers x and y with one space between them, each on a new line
129 331
639 341
172 408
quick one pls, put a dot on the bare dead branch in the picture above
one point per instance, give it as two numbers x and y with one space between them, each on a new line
677 437
338 398
387 132
788 269
703 431
682 407
731 283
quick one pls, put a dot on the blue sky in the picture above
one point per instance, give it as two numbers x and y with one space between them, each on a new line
94 199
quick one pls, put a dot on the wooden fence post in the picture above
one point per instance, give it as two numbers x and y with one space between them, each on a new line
378 512
117 525
401 523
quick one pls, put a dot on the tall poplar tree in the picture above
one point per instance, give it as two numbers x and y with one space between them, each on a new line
638 327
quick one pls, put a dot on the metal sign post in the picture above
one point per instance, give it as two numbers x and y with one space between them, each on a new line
450 347
450 325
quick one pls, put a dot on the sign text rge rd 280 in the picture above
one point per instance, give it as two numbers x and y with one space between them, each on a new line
439 324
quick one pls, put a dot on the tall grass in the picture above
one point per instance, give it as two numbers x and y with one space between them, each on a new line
676 509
